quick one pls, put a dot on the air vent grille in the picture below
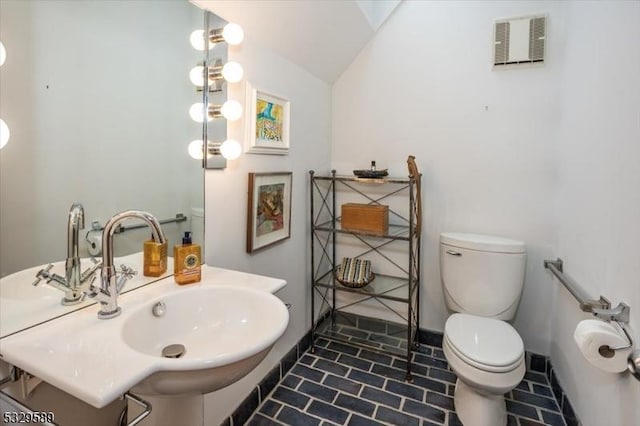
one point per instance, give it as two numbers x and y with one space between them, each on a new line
501 52
537 31
519 41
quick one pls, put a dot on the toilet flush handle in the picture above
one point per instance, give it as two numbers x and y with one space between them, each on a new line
454 253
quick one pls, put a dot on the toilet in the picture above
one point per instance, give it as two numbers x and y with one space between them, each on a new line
482 279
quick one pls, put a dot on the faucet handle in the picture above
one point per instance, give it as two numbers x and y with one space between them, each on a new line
127 271
43 274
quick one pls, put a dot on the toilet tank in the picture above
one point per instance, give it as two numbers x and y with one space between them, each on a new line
482 274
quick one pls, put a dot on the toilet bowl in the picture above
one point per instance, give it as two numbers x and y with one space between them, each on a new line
487 355
482 278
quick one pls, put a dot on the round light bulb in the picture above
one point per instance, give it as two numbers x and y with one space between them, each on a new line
231 110
4 133
3 54
230 149
233 34
195 149
196 112
197 40
232 72
196 75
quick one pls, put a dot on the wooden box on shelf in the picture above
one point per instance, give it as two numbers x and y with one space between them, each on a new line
372 218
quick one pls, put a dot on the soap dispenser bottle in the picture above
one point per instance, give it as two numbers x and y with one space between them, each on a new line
155 258
186 261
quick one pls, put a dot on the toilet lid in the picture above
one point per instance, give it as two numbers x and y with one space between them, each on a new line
485 343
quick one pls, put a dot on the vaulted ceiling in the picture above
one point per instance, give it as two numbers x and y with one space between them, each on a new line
321 36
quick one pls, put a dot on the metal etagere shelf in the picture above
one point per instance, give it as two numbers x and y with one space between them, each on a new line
398 249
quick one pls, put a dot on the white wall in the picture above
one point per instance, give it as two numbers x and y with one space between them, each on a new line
226 203
96 96
597 213
483 139
546 155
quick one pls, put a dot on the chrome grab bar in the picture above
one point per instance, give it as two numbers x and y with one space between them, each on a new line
96 226
600 308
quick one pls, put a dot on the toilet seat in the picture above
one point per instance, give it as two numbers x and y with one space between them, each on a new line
485 343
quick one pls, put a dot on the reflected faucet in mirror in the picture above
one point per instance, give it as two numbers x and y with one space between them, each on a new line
73 283
110 283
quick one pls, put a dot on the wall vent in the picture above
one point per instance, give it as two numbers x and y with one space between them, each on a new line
519 41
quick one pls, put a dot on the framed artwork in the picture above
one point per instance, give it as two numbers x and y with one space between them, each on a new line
268 122
269 210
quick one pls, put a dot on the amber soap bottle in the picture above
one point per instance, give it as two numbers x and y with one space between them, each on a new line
155 258
186 261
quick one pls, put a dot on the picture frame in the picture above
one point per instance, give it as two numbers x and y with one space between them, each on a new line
268 118
269 209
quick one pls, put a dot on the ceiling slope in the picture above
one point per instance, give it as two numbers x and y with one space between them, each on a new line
321 36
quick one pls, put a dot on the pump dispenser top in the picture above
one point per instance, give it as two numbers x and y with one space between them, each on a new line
187 261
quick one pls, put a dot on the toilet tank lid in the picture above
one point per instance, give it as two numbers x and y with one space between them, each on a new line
482 242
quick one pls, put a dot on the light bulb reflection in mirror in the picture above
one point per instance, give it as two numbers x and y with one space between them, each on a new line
196 75
197 40
3 54
196 112
196 150
4 133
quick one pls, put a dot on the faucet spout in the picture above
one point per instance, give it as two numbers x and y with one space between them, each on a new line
72 267
74 280
110 285
74 225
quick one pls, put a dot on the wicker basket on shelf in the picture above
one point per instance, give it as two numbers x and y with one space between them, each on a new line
354 273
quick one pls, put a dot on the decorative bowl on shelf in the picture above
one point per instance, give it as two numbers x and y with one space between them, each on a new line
371 174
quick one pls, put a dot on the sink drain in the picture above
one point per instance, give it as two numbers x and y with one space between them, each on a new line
173 351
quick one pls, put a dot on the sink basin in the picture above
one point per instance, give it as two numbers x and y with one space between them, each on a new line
223 332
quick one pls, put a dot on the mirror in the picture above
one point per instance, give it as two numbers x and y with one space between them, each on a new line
96 95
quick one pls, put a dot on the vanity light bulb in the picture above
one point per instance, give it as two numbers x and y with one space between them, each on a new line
196 75
232 72
230 149
196 112
4 133
231 110
196 150
3 54
197 40
233 34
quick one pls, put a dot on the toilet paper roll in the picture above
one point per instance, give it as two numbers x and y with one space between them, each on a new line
595 339
94 243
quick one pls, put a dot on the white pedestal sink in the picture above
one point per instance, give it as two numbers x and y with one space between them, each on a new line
227 324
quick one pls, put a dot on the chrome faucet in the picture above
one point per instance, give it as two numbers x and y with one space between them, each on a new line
110 283
73 282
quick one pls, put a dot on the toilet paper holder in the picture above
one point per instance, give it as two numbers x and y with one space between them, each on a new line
608 352
602 310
